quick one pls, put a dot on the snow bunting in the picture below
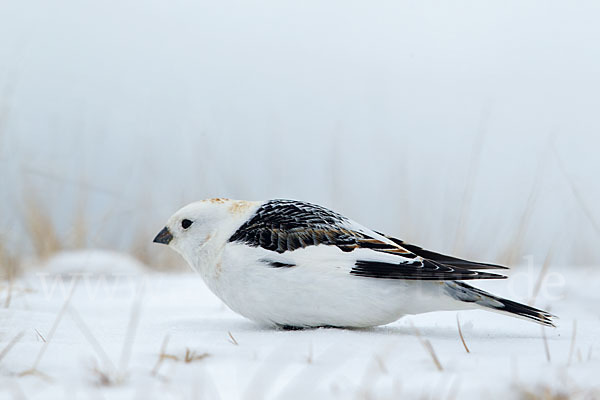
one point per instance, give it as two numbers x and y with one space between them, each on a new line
295 264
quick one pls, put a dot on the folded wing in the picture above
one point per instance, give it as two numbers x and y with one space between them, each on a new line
442 258
283 226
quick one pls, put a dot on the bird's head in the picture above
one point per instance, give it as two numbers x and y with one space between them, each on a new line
195 225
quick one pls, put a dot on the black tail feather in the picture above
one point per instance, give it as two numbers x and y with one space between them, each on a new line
470 294
525 311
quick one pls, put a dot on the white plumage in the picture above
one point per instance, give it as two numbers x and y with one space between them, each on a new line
296 264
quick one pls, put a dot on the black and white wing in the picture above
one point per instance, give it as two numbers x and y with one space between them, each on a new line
288 225
284 226
443 258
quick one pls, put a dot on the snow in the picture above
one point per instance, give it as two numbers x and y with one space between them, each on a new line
89 356
92 261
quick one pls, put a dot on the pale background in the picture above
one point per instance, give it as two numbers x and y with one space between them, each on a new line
467 127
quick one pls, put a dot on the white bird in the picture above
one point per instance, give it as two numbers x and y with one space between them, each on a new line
294 264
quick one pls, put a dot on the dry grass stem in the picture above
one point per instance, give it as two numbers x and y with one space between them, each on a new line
514 248
453 389
232 339
134 320
104 379
40 335
9 293
59 316
543 393
11 344
191 356
428 347
541 276
546 347
87 333
573 336
470 181
462 339
79 232
381 364
111 375
9 263
577 195
162 355
35 372
551 392
43 234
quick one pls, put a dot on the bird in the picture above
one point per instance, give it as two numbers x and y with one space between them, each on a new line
294 265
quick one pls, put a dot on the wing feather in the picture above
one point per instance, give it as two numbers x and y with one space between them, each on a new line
443 258
417 270
287 225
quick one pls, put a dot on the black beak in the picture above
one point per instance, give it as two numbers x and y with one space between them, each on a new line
163 237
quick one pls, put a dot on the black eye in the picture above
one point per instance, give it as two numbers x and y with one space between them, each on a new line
186 223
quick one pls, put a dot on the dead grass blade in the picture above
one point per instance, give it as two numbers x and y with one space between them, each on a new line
453 389
11 344
110 375
9 262
550 392
514 249
428 347
470 181
546 347
541 276
103 377
232 339
79 232
381 364
87 333
462 339
577 194
39 224
33 370
573 336
11 283
40 335
162 355
134 320
191 356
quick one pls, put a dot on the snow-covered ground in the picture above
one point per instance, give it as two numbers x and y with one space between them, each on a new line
73 334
